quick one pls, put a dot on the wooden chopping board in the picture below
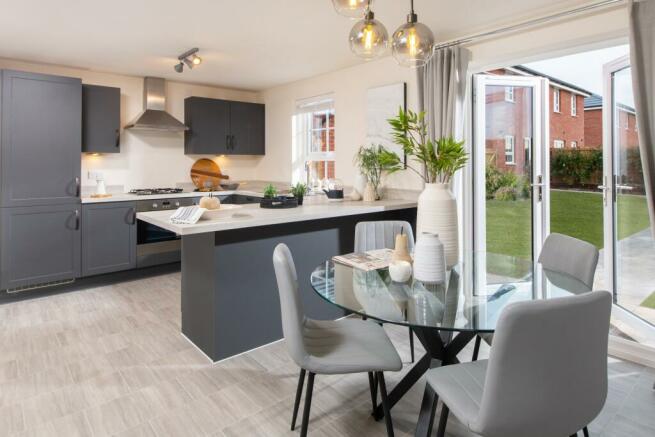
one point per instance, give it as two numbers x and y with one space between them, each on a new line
206 175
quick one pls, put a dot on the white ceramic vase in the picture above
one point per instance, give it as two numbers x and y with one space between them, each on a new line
437 214
400 271
429 259
369 193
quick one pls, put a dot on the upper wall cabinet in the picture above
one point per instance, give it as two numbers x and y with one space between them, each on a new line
101 117
221 127
41 136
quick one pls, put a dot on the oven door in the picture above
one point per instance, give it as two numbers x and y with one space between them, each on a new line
156 245
147 233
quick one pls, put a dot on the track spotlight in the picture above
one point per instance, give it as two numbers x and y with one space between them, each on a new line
188 58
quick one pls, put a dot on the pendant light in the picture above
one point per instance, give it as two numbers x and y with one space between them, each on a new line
368 37
412 42
351 8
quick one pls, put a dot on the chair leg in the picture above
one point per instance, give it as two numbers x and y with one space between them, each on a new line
385 404
296 404
441 431
426 415
411 343
476 349
585 431
308 405
373 385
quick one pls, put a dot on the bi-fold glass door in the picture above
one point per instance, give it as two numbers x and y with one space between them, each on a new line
510 195
629 247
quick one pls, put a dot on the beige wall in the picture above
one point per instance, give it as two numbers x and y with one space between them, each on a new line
349 87
148 159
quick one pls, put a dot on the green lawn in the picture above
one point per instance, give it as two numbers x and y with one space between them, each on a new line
572 213
649 302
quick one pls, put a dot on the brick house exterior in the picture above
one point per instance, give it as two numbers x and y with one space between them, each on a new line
509 117
627 121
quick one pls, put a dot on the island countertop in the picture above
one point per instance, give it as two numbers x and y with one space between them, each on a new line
253 215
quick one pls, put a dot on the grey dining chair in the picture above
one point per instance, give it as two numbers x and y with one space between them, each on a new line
382 235
562 255
330 347
546 375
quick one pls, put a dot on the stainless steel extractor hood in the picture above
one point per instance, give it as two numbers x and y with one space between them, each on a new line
154 115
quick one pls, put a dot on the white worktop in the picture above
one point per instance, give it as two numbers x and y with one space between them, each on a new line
127 197
252 215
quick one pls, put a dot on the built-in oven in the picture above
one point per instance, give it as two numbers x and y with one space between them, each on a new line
156 245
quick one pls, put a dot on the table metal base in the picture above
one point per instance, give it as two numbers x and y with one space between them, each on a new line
441 350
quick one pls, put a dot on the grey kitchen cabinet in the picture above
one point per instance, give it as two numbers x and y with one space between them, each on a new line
209 126
222 127
101 118
39 245
247 129
41 136
109 235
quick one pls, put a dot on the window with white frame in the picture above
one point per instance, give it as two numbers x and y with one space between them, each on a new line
509 149
574 144
313 148
558 144
556 100
509 94
574 105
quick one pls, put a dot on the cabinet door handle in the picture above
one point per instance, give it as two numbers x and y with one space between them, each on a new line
118 138
77 220
133 221
227 142
77 187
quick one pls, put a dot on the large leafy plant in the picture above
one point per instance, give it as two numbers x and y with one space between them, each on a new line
374 160
440 158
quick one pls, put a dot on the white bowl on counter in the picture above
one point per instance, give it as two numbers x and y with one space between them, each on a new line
223 211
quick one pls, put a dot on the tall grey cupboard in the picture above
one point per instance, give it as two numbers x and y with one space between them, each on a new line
40 147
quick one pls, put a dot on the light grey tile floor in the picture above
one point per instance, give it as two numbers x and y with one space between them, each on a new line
110 361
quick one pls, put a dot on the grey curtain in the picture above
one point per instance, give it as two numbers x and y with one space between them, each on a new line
441 89
642 59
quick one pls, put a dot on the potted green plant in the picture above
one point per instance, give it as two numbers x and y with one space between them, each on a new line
299 190
440 159
373 161
270 192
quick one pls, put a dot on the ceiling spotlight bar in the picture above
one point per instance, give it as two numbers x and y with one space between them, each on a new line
188 58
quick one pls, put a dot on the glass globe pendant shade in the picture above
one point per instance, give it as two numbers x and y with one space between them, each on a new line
412 43
369 38
351 8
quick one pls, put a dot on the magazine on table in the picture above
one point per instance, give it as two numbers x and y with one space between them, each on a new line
370 260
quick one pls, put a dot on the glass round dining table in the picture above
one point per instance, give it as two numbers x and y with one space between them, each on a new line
445 317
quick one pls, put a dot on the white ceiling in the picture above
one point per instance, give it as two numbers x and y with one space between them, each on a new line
245 44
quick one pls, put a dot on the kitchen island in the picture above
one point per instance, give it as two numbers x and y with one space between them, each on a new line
230 300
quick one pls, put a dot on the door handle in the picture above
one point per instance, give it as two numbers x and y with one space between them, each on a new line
118 138
77 220
133 221
227 142
625 187
604 188
77 187
540 187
